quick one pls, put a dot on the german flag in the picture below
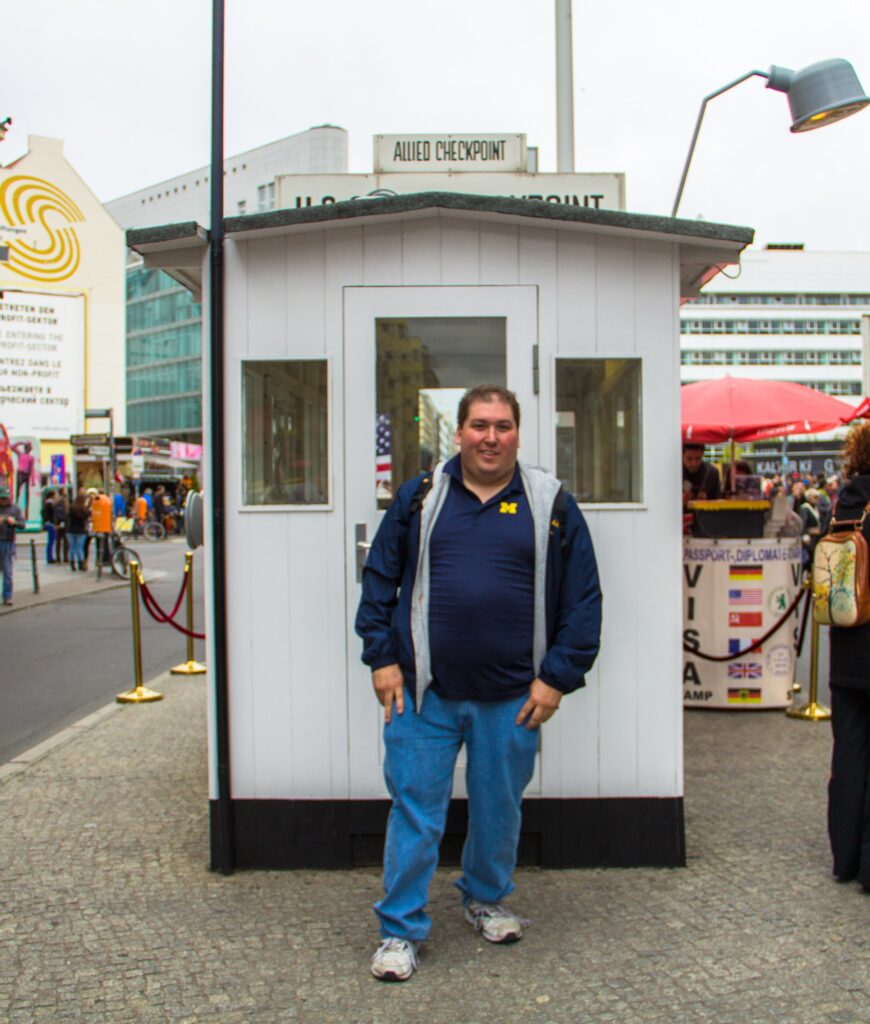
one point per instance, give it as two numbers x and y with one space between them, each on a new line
746 573
743 695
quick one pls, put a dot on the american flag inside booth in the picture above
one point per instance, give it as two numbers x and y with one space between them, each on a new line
383 449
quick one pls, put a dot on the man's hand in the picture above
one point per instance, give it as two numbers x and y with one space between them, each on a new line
542 704
389 684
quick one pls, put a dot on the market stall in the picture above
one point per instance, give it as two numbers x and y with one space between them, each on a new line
742 564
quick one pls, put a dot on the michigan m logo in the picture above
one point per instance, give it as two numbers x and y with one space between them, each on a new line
508 508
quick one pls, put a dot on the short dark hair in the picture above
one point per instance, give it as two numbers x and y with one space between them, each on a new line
487 393
692 446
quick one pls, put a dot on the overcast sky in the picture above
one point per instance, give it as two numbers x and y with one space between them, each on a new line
126 85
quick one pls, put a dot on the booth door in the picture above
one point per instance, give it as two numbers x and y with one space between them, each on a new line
409 353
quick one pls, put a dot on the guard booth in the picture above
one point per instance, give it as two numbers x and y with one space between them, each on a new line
350 331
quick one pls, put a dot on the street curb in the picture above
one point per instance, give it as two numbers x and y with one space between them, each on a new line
45 597
21 762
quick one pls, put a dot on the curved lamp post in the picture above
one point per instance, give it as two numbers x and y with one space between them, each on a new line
818 95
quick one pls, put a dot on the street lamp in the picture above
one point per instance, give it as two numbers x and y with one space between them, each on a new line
818 95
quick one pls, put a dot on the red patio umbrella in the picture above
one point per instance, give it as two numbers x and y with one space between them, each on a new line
742 409
861 411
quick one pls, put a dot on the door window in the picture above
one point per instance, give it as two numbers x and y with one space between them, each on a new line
424 365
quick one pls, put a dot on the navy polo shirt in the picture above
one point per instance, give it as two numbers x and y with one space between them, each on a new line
482 592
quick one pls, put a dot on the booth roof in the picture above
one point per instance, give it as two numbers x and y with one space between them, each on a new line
704 246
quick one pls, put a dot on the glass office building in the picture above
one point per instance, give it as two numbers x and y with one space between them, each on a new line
164 323
164 350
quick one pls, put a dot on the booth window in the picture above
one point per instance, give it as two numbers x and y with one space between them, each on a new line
424 365
598 429
285 432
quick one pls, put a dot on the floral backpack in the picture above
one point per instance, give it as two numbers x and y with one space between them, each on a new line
841 574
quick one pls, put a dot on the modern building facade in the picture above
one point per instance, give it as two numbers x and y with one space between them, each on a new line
61 317
164 320
790 315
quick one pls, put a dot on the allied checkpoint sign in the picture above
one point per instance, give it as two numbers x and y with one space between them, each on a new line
42 363
734 591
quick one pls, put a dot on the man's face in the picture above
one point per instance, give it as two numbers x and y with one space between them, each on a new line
692 459
488 441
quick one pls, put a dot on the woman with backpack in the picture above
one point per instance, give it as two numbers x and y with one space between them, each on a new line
849 786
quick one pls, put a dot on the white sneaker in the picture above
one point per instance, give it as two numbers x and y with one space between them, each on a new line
495 922
395 960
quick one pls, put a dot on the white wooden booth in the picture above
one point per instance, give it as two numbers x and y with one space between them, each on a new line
368 306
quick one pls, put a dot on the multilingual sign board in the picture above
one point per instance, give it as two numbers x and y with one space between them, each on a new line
598 191
42 363
734 591
402 153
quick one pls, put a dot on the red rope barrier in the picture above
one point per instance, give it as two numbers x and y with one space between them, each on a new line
756 643
161 615
157 613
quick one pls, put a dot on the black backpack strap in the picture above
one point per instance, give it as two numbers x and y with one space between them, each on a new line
423 488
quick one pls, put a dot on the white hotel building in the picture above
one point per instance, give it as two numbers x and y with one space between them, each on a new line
787 315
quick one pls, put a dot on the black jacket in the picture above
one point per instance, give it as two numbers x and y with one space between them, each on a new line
850 648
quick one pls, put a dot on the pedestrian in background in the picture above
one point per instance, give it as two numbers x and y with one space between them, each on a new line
77 531
61 511
11 519
849 785
48 503
101 525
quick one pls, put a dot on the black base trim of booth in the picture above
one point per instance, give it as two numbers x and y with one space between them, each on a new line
626 832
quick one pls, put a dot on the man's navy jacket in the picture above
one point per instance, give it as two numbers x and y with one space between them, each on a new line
392 617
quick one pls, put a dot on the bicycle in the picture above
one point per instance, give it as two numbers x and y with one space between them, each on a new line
120 556
151 530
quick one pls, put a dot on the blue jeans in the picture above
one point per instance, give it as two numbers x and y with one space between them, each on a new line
77 547
50 534
7 559
421 751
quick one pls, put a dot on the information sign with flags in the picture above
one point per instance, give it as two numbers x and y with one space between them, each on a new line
734 591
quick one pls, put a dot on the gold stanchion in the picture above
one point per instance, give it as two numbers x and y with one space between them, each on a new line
812 711
189 667
140 694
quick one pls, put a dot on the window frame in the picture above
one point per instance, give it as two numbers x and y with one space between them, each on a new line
606 506
329 504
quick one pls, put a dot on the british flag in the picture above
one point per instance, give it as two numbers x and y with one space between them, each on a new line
748 670
383 449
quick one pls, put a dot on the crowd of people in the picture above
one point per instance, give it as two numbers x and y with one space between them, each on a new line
72 523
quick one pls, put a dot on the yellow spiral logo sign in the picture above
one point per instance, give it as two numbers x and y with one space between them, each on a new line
42 244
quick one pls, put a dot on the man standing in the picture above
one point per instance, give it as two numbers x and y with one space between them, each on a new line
480 609
700 479
101 524
11 519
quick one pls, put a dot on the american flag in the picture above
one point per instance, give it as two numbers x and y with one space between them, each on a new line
745 596
748 670
383 449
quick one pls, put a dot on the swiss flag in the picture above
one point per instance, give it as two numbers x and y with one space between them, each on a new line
744 619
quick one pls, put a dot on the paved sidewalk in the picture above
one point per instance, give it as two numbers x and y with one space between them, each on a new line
109 913
56 581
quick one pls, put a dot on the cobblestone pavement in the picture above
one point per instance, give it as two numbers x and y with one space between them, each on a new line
110 914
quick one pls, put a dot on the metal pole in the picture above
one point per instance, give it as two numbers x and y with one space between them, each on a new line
139 694
223 849
706 100
189 667
812 711
564 88
34 571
